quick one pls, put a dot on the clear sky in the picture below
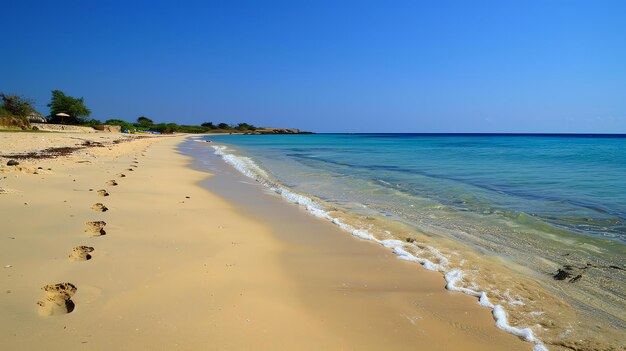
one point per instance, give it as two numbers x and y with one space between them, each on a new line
328 66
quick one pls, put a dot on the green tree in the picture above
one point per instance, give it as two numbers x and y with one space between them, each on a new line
223 126
208 125
144 122
17 105
245 126
61 103
165 128
91 122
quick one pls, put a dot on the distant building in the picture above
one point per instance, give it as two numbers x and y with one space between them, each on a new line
37 117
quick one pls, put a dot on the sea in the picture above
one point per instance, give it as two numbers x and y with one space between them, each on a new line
534 226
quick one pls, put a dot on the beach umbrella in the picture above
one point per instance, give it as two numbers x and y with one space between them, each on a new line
62 115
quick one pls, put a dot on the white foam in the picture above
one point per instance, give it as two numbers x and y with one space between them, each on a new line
407 256
250 169
455 276
484 301
391 243
499 313
443 260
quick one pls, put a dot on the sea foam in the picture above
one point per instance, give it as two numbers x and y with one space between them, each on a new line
453 277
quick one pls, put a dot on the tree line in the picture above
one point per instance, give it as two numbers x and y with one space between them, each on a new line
65 109
146 124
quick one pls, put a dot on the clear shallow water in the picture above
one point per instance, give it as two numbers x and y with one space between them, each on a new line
528 205
574 183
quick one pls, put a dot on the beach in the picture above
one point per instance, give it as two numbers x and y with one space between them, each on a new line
297 175
174 265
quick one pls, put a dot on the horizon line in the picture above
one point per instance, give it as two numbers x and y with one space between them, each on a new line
487 133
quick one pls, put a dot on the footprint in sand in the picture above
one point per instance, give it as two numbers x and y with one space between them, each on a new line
99 207
95 227
7 191
112 182
130 169
102 192
81 253
121 175
58 299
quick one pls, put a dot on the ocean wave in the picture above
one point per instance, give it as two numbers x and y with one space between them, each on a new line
404 250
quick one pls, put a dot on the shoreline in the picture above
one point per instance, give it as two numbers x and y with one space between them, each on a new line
229 183
181 267
556 309
312 207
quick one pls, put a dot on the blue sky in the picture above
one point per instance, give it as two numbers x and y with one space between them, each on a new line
328 66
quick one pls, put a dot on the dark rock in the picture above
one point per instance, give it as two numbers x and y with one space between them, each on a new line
12 163
562 275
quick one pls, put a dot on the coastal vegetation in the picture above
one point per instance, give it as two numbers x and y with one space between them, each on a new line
14 111
14 105
65 109
146 124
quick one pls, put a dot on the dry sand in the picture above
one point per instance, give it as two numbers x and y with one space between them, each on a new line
174 266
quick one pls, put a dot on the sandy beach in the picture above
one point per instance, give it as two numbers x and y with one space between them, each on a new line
147 258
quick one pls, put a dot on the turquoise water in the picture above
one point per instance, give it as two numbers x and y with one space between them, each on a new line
572 183
499 215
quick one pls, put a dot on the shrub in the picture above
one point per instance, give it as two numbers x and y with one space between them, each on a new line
118 122
14 105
